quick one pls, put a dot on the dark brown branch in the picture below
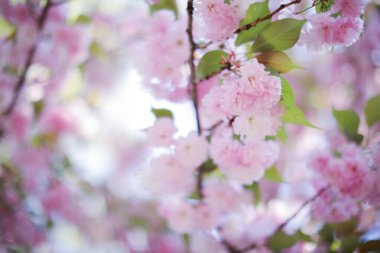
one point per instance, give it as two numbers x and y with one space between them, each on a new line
307 202
193 46
208 77
29 60
231 248
287 221
269 16
199 189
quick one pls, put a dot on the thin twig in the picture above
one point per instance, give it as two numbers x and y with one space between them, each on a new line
307 202
287 221
269 16
29 60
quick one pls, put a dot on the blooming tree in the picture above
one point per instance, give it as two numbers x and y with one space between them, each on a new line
254 176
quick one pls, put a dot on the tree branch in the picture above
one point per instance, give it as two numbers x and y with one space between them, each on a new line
269 16
287 221
307 202
193 46
29 60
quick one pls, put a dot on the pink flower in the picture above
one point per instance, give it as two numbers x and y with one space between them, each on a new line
254 126
323 32
180 215
205 217
220 19
167 176
212 104
204 243
243 162
191 151
349 171
318 33
349 8
57 120
225 197
334 207
19 122
347 31
162 131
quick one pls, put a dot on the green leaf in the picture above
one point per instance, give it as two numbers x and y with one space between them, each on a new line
210 63
83 19
348 122
209 166
372 110
281 134
96 50
369 246
38 107
254 12
293 114
277 60
6 28
272 174
349 244
279 35
13 71
280 241
165 5
323 5
303 237
346 228
161 112
255 189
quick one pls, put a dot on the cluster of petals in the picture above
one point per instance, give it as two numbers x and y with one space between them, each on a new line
175 170
221 199
333 206
346 170
184 217
166 49
323 31
219 19
161 133
243 163
350 180
252 96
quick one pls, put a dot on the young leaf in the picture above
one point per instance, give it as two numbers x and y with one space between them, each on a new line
83 19
372 110
165 5
254 12
272 174
6 28
323 5
279 35
348 122
277 60
280 241
97 51
293 114
255 188
160 113
210 63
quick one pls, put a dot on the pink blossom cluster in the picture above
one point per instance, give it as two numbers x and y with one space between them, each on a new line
219 20
324 31
165 48
177 168
350 181
221 200
249 102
